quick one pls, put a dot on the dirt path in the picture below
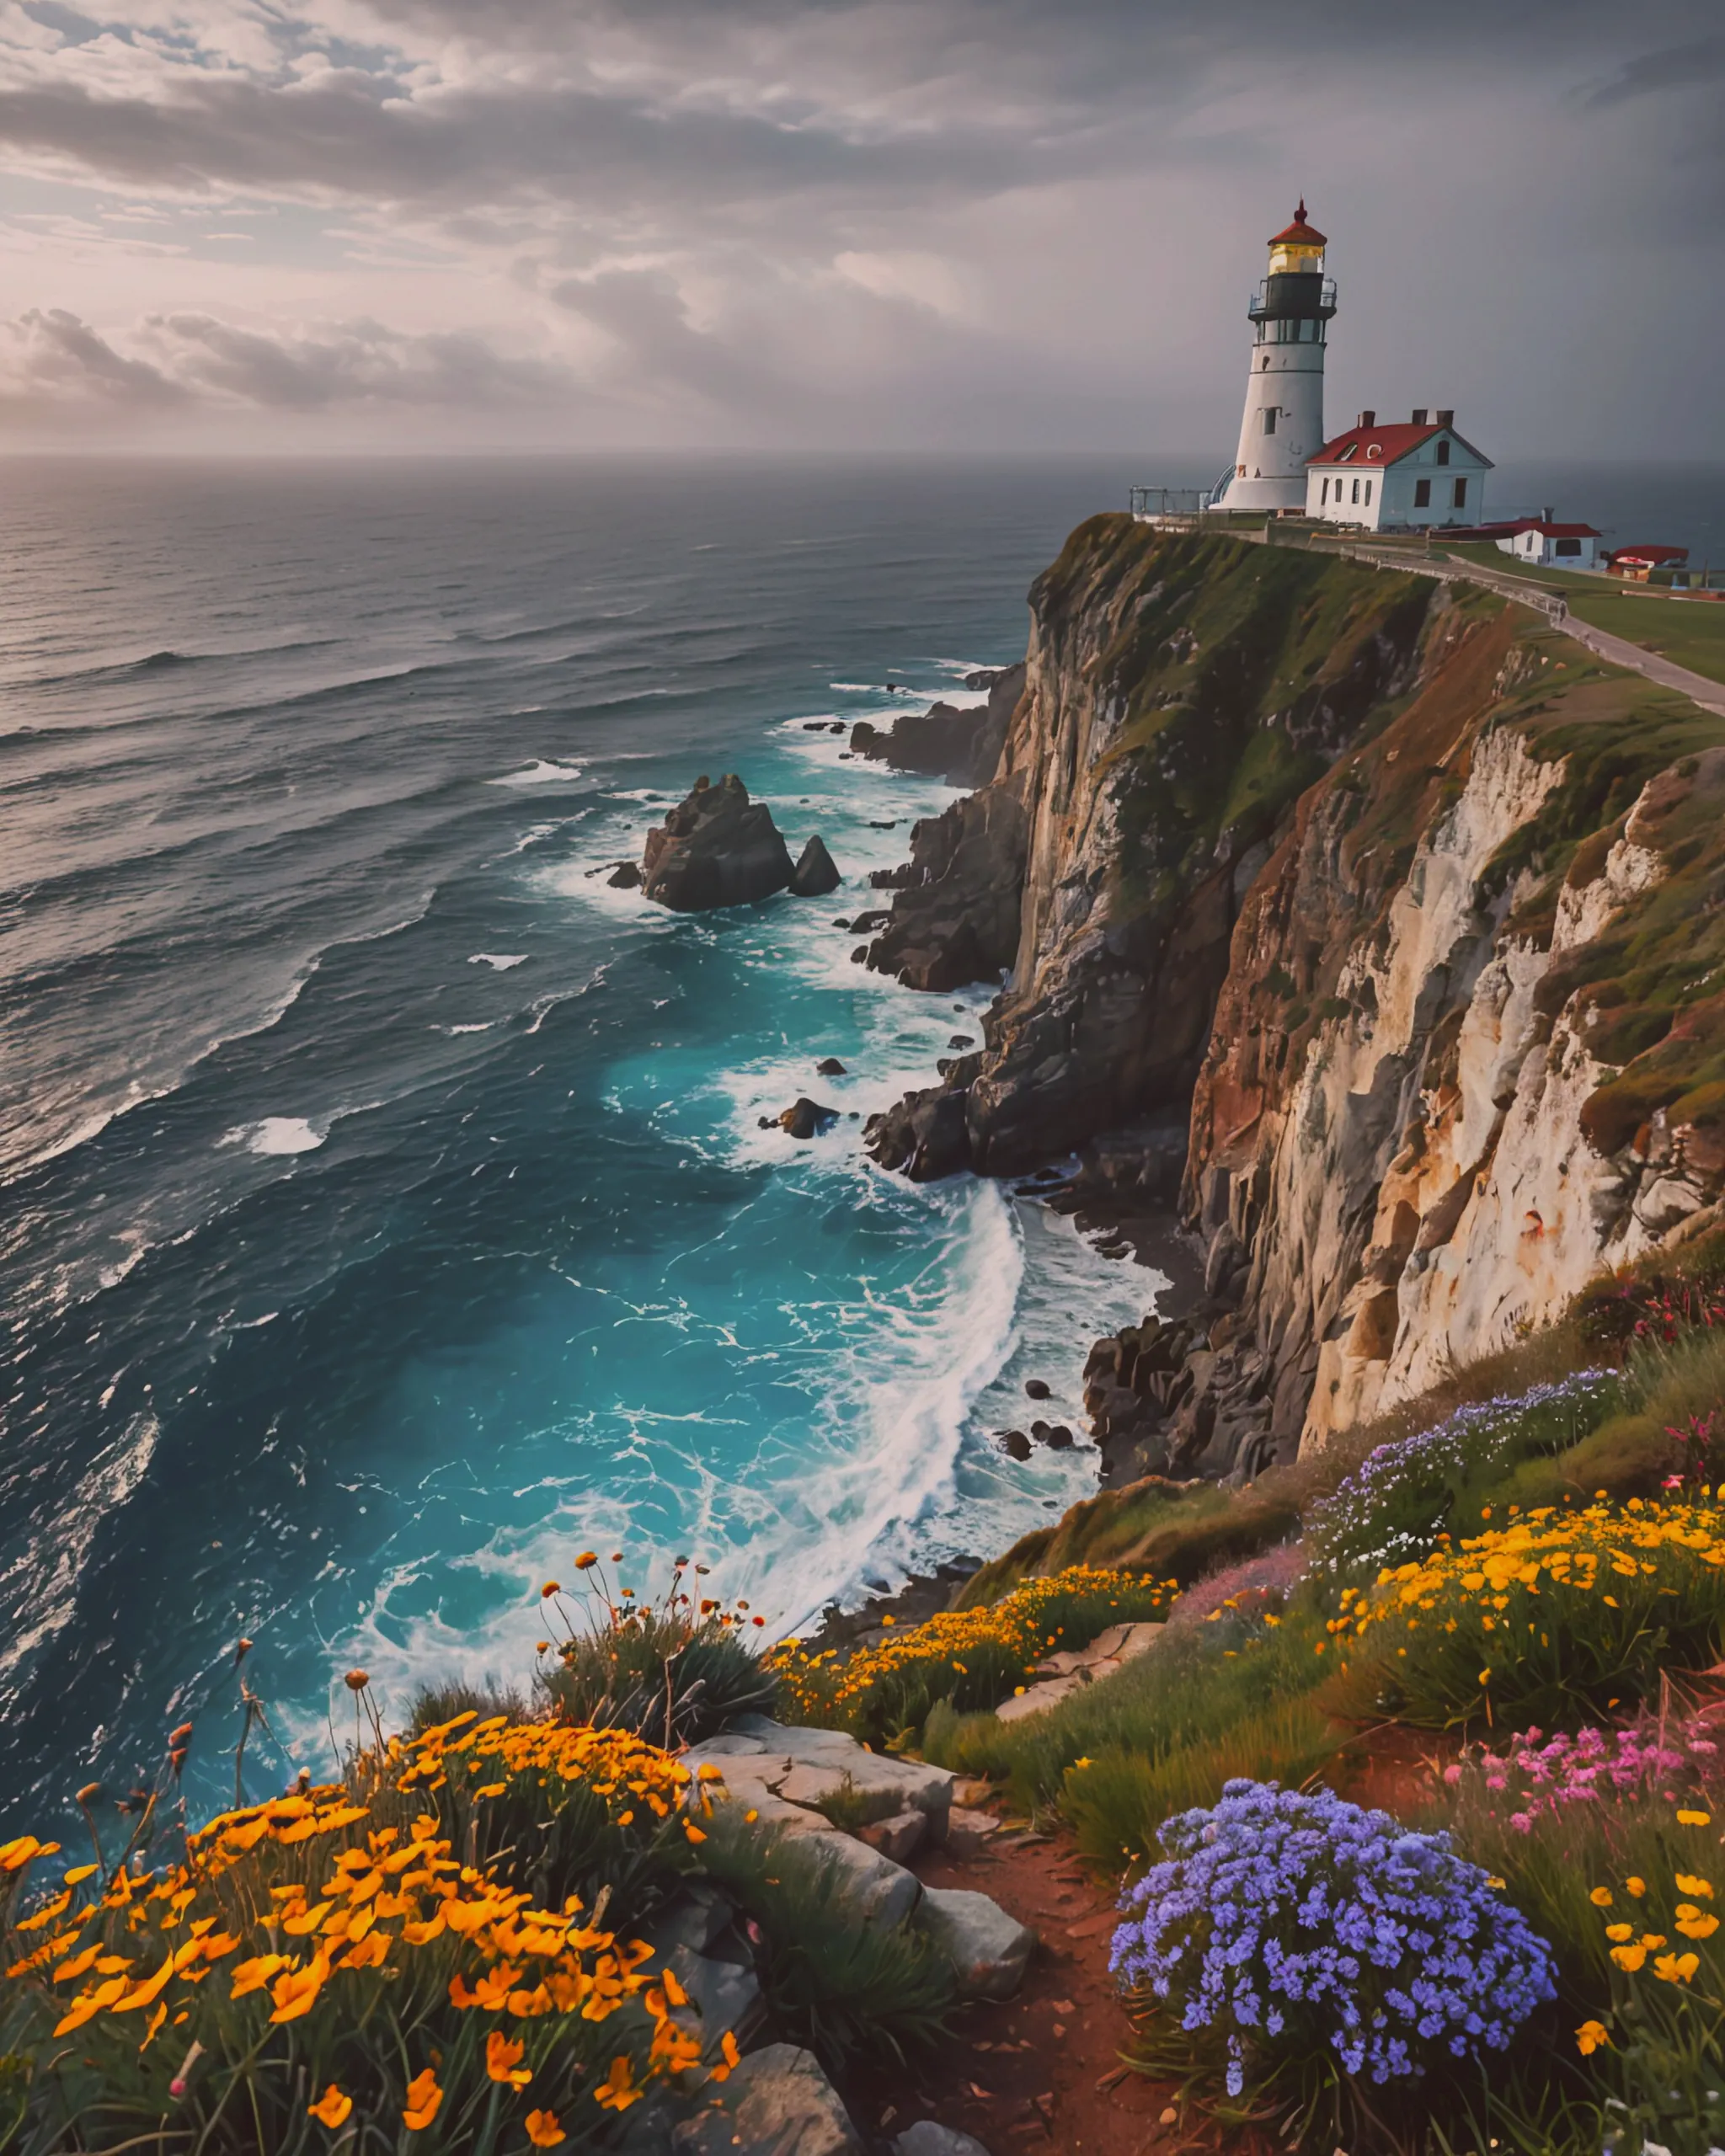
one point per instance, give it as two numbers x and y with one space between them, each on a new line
1043 2071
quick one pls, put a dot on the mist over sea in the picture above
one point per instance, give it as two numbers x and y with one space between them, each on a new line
384 1215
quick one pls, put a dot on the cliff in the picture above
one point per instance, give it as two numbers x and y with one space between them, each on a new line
1413 901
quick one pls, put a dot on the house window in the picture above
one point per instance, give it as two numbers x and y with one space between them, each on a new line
1356 487
1461 501
1568 547
1422 494
1325 495
1444 451
1269 419
1368 494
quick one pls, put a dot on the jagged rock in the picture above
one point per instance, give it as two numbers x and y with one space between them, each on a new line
725 1996
989 1950
778 2102
865 923
806 1118
625 876
899 1838
816 872
955 917
829 1067
716 848
967 1829
923 1133
926 2138
961 746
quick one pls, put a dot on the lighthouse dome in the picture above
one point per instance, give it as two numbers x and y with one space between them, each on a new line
1299 233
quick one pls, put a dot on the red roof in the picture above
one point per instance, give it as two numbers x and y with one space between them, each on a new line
1374 444
1651 555
1299 233
1551 530
1380 446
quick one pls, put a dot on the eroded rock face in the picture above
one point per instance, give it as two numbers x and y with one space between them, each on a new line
716 848
1106 862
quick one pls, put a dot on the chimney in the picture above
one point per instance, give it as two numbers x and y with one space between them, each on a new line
1419 415
1368 419
1446 418
1547 515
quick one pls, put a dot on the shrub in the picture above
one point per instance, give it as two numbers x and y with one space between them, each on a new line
1403 1495
971 1658
1118 1801
359 1948
1321 1948
1667 2021
673 1671
1553 1620
859 1995
1193 1690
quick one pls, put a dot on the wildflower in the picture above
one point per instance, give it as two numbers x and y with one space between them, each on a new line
1692 1923
587 1560
1638 1887
550 1588
729 2056
332 2108
544 2131
356 1680
1590 2037
1687 1883
1601 1897
1695 1818
424 2097
617 2091
1676 1968
502 2056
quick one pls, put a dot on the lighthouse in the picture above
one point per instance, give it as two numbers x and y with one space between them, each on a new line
1284 420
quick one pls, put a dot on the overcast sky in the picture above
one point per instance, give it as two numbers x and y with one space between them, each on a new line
977 224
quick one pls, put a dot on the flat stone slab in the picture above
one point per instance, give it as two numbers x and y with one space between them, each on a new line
988 1949
902 1785
1037 1699
777 2103
899 1838
810 1767
926 2138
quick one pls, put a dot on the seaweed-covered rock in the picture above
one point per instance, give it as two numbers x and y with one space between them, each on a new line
716 848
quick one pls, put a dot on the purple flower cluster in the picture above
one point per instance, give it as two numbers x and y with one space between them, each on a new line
1386 1511
1541 1775
1291 1924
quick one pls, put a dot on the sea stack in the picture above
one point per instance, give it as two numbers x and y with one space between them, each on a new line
717 848
816 872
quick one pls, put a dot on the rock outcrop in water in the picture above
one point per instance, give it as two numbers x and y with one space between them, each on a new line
716 848
816 872
1410 901
962 746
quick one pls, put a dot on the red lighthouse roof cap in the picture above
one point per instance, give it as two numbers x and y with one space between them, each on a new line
1299 233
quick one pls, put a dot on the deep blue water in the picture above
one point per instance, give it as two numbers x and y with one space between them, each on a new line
387 1215
383 1210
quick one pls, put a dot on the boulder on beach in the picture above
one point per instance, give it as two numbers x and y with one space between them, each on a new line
717 848
806 1118
816 872
829 1067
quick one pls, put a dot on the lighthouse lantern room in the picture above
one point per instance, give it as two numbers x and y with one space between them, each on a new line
1284 421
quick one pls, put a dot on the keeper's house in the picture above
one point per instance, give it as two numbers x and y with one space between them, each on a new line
1409 477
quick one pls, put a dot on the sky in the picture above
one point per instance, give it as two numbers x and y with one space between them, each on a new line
992 226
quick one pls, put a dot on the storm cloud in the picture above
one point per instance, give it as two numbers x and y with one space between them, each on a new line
1003 224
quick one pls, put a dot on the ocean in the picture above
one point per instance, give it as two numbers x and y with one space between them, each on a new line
385 1215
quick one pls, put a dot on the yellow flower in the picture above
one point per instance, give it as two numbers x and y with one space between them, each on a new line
1695 1818
1629 1958
550 1587
544 2131
617 2091
296 1992
1620 1931
1601 1897
1676 1968
502 2056
1693 1924
1635 1886
1687 1883
1590 2037
332 2108
587 1560
424 2097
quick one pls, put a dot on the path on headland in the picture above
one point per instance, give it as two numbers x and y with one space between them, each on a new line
1616 651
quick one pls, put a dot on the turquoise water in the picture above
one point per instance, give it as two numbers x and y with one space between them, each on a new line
386 1214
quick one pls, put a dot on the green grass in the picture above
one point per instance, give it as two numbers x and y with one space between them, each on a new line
1688 631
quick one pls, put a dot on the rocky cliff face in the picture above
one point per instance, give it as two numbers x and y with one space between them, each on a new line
1420 907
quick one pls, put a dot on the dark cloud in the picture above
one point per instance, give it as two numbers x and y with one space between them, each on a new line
1677 67
51 357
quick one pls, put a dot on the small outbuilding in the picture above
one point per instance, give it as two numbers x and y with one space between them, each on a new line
1638 563
1409 476
1537 540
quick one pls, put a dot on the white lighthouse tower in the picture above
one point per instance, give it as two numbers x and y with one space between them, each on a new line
1283 422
